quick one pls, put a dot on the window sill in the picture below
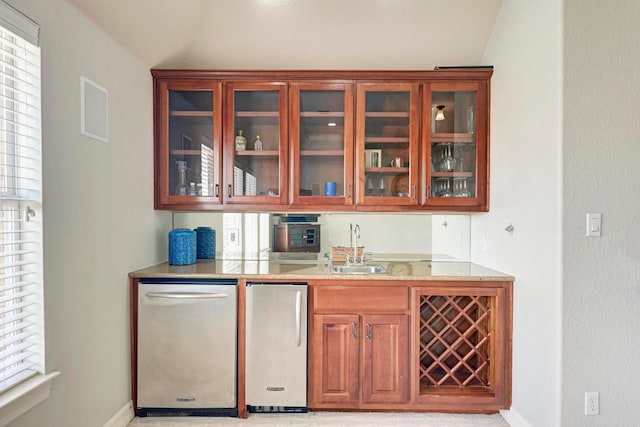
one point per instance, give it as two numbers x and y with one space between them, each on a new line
18 400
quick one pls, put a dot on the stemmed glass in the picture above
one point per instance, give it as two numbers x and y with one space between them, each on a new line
445 188
381 187
460 188
369 189
464 192
448 162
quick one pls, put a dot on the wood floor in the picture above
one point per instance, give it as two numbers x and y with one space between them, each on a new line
334 419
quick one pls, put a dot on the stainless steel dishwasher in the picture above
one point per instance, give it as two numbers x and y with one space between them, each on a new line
187 348
276 347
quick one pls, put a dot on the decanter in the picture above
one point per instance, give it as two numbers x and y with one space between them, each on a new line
241 141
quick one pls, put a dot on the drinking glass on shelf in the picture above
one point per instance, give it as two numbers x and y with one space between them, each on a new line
445 188
459 160
471 119
369 187
448 162
381 186
460 188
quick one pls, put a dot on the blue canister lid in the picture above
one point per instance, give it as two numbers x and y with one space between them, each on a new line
182 246
206 242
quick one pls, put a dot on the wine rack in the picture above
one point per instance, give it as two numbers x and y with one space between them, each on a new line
455 342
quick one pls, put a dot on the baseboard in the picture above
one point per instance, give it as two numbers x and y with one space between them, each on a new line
515 419
122 417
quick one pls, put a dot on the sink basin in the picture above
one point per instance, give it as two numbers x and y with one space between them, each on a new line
358 269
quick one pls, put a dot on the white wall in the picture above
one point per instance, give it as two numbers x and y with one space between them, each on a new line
601 293
525 49
99 222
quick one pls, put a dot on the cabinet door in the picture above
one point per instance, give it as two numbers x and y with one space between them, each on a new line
455 145
385 373
387 143
321 141
335 358
188 144
255 172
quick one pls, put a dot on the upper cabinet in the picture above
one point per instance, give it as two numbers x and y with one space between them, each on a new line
321 143
454 145
380 141
255 143
387 124
188 135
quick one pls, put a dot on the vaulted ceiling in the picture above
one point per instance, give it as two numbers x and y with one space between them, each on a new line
298 34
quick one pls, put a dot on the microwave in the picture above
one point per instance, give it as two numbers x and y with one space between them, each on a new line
296 237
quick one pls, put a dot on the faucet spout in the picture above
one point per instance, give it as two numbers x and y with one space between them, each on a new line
356 236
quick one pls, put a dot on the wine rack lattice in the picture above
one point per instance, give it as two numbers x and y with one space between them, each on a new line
455 341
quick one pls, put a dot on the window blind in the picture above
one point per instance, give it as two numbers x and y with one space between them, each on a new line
21 283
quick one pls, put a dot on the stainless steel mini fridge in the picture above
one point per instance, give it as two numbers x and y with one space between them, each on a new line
276 347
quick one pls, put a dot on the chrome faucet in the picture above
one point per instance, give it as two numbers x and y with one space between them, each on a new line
356 236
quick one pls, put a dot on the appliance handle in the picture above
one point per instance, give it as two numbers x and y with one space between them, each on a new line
298 318
185 295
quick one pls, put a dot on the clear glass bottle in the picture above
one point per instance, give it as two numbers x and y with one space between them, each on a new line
241 141
257 144
181 188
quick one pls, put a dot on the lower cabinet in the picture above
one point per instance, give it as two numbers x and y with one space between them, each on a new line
385 367
462 346
361 358
360 354
422 346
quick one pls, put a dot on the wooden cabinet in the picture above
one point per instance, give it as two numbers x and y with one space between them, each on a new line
321 140
188 141
386 141
387 144
255 172
336 379
462 346
448 350
359 347
384 358
455 145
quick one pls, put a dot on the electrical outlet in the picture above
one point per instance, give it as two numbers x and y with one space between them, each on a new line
592 403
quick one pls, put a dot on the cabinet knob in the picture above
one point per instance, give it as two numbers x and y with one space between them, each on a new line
368 331
349 191
426 192
354 330
217 191
229 191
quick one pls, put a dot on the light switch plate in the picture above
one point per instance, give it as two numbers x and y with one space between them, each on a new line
594 225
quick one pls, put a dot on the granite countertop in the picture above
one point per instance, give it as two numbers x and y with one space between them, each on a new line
398 267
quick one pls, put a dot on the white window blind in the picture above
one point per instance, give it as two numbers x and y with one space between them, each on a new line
21 296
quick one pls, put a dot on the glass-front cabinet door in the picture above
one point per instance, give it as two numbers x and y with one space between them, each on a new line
387 143
321 143
188 155
455 145
255 143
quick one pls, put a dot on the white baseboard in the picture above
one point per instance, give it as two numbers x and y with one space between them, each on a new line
515 419
122 417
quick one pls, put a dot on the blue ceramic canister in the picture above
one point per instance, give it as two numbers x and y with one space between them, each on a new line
206 241
182 246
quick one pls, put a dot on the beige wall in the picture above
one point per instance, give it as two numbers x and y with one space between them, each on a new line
99 221
601 295
526 142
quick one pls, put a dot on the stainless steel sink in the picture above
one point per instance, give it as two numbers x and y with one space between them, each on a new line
358 269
